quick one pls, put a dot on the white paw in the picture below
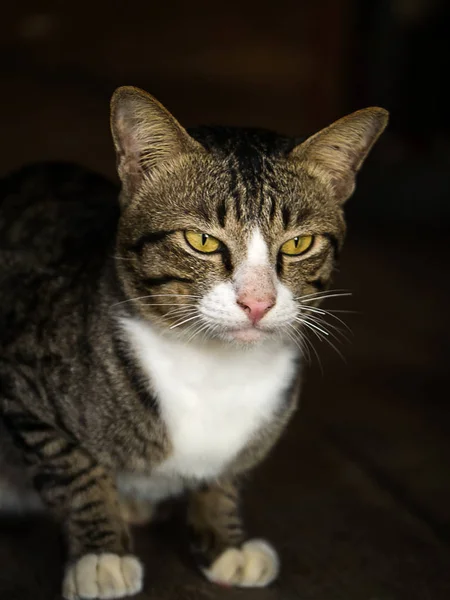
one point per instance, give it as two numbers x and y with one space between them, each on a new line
103 576
255 564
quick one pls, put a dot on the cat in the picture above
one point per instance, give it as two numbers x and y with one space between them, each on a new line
151 338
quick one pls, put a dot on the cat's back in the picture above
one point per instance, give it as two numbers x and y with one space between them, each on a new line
56 214
57 227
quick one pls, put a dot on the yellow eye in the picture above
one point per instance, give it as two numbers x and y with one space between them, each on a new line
297 245
202 242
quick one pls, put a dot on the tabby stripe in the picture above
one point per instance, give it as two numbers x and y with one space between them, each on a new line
235 192
96 537
87 506
84 487
272 208
26 425
38 448
21 360
334 244
319 284
279 264
18 440
64 451
90 523
286 216
135 378
222 212
59 414
17 429
56 479
226 259
152 237
164 279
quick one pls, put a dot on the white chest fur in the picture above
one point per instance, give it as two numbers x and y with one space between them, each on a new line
212 398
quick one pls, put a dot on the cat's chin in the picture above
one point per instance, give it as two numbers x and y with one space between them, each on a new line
247 335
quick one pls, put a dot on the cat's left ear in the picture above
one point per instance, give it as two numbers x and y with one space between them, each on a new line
146 136
336 153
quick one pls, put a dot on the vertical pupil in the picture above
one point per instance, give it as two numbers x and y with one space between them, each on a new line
296 241
205 237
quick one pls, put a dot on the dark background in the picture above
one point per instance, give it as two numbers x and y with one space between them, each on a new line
357 496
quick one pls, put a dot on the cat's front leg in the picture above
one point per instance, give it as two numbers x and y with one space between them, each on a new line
100 564
219 543
82 494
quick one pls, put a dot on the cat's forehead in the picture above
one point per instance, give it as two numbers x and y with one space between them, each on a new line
244 180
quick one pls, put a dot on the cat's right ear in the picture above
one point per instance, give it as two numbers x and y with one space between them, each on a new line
146 136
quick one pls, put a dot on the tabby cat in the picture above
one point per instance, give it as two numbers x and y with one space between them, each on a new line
150 339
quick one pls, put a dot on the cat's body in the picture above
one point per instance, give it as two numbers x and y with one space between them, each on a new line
68 334
135 362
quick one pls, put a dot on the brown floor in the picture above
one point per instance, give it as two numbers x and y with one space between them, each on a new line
357 495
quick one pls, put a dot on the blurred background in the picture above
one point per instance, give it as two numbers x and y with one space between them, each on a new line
359 488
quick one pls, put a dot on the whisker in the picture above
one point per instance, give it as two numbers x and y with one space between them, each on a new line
320 311
180 312
310 343
169 304
327 339
185 321
299 341
307 344
325 297
324 324
155 296
304 320
319 294
201 328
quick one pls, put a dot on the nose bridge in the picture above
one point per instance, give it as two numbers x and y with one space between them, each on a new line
256 282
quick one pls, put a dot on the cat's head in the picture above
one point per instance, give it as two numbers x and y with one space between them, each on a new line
230 233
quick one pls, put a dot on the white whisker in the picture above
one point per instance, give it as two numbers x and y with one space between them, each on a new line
307 322
319 320
319 294
327 339
185 321
325 297
179 312
155 296
169 304
201 328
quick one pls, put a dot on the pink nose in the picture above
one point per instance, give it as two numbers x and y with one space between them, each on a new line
256 309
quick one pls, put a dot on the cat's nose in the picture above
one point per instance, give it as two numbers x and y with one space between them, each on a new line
256 309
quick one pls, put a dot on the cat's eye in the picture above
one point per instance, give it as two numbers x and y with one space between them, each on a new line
297 245
202 242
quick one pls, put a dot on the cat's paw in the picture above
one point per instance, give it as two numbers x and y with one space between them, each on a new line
103 576
255 564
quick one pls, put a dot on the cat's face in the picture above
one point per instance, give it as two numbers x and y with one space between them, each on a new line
233 234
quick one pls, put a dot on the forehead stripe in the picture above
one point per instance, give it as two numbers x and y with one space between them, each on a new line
222 212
